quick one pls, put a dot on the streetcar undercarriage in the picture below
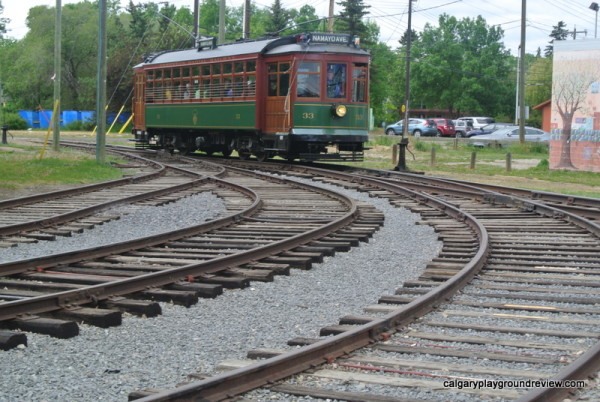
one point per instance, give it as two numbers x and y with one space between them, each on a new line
249 143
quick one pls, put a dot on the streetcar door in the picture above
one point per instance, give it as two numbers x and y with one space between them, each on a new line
278 107
139 100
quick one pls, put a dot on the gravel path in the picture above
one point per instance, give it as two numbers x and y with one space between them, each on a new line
107 364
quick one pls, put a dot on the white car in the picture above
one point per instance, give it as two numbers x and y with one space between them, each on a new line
507 135
478 122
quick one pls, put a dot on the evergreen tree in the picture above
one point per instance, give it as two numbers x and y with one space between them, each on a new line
279 18
350 19
558 33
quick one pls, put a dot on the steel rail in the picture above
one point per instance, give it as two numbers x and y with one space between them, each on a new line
104 291
10 203
237 381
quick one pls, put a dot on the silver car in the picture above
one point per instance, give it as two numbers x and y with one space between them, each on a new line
510 135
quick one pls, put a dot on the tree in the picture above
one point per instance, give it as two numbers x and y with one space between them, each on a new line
558 33
462 65
350 19
279 18
538 86
3 21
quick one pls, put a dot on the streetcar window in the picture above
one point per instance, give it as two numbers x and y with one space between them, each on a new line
227 87
185 72
238 86
309 79
359 83
250 66
195 71
150 75
336 80
284 84
238 67
251 86
216 69
206 88
215 90
167 73
272 85
176 72
227 68
206 69
158 74
278 79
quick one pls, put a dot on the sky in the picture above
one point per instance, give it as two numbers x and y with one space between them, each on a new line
392 16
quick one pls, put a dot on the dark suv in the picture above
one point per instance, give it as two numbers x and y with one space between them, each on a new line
445 127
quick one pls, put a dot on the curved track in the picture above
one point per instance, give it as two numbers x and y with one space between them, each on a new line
260 235
487 289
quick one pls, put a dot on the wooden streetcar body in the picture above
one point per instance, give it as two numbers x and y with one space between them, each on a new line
298 96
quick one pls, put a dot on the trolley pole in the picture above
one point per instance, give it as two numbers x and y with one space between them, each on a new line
101 84
57 74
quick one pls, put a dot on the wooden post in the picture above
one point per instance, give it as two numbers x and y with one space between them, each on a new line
432 161
473 156
508 162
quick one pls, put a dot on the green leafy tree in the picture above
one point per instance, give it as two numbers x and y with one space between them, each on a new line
462 66
538 86
3 21
304 20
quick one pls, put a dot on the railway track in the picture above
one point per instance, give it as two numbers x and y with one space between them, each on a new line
260 235
478 323
63 213
478 317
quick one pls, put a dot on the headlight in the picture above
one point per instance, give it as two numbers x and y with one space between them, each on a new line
340 110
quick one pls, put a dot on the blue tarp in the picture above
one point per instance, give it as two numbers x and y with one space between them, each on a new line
39 119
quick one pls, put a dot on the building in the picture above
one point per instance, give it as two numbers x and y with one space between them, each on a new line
575 117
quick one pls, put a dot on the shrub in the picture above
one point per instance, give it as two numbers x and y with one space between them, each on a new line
14 121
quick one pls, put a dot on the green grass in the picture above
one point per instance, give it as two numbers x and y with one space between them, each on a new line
21 167
454 159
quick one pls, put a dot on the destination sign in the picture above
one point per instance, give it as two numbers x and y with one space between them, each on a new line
329 38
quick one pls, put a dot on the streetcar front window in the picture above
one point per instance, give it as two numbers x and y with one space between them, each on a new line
309 79
336 80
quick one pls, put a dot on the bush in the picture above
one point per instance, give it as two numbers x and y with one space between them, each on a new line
14 121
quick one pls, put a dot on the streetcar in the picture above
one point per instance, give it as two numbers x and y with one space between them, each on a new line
301 97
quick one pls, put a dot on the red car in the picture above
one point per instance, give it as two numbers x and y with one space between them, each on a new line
445 127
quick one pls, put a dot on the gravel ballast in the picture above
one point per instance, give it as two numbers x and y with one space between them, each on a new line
108 364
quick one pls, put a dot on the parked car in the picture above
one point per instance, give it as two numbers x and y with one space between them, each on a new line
416 127
478 122
445 127
507 135
488 129
462 127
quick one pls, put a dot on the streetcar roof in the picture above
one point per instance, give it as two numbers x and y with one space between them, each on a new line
267 46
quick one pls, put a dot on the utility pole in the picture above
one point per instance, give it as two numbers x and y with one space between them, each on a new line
101 84
574 32
246 21
522 74
330 20
196 12
404 142
221 22
407 77
57 75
